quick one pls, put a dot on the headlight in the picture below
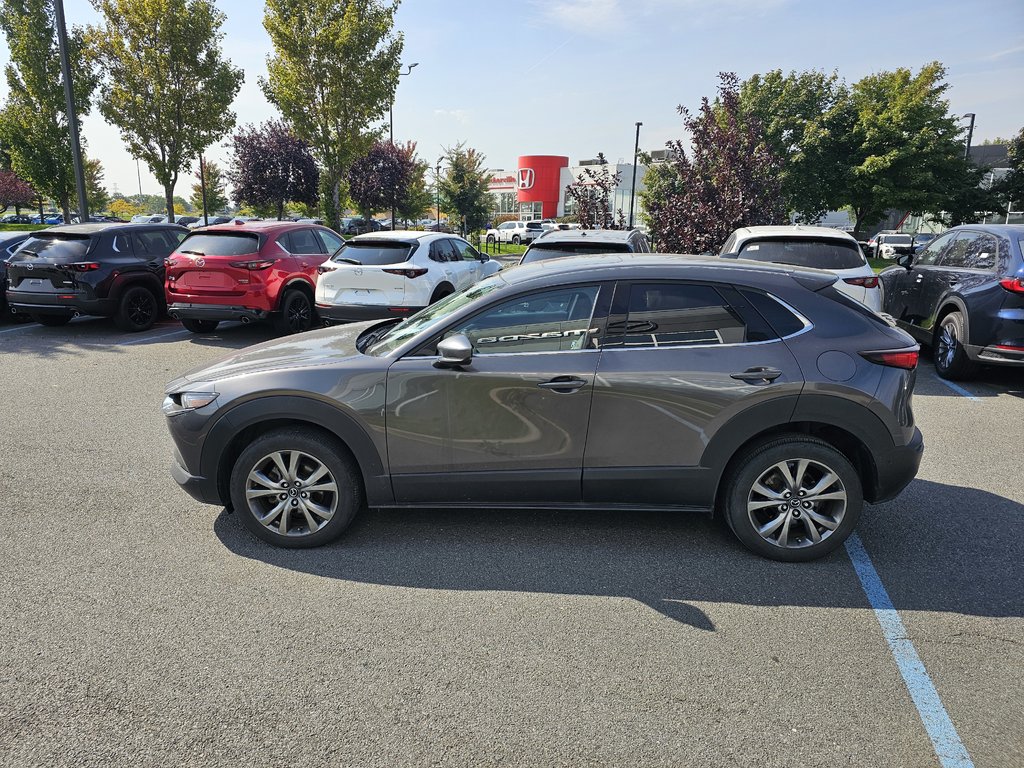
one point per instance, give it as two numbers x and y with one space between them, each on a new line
181 402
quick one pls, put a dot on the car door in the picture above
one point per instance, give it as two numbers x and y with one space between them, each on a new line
470 260
932 281
902 287
679 361
510 427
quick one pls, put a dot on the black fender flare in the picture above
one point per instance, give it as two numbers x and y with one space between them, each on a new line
298 409
127 280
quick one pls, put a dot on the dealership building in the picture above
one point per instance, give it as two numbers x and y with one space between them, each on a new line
536 188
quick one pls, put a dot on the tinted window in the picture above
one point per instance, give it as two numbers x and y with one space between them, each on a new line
220 244
63 249
980 252
374 253
929 253
466 251
440 250
330 240
558 250
805 252
150 244
676 314
956 254
782 321
302 241
550 321
897 239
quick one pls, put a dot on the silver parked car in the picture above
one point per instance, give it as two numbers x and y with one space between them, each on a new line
762 394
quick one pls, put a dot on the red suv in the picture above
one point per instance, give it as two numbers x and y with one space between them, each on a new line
248 271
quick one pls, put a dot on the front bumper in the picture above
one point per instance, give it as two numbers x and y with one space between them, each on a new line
897 468
201 489
58 304
215 312
354 313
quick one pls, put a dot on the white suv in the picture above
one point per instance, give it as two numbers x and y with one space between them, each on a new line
515 232
819 247
394 274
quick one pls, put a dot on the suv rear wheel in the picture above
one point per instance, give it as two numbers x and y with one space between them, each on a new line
201 326
793 498
137 310
294 488
951 360
296 313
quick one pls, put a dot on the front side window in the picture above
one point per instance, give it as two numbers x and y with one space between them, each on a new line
330 240
466 251
929 254
548 321
673 315
302 242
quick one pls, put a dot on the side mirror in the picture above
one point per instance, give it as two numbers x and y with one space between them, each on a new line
454 352
484 257
905 260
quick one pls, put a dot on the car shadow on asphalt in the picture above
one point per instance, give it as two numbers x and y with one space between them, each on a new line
674 562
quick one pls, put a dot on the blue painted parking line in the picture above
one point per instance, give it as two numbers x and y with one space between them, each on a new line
945 740
959 390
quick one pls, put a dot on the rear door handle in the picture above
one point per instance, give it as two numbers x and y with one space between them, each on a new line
761 373
564 385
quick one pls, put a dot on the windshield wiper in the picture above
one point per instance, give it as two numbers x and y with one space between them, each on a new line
348 260
196 253
30 253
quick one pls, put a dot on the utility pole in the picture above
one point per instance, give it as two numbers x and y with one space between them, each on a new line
202 188
970 134
69 96
632 189
391 112
138 170
437 191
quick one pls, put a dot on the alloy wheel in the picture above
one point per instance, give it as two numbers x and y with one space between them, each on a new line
291 493
140 308
299 314
796 503
946 348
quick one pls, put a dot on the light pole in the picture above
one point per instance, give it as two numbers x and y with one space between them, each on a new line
202 187
138 170
69 96
970 133
437 191
632 189
391 121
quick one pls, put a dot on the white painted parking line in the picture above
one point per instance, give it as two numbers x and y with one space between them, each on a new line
945 740
178 332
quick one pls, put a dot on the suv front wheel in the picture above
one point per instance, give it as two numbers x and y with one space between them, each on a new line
793 498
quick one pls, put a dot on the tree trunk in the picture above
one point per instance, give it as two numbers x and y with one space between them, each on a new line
169 198
65 206
280 210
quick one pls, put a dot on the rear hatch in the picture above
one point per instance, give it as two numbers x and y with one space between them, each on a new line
368 271
50 262
216 264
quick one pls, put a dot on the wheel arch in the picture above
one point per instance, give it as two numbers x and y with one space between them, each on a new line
444 285
292 284
947 306
237 428
129 280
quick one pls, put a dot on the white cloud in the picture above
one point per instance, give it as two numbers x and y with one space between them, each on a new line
460 116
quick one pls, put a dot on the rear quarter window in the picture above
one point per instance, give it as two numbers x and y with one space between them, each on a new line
805 252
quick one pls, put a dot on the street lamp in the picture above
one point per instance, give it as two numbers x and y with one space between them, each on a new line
437 191
970 133
391 121
69 96
632 189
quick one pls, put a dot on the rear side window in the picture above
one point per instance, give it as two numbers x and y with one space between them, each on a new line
558 250
150 244
782 321
805 252
61 248
302 241
220 244
674 315
375 253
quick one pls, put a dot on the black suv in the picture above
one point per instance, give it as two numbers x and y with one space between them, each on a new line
110 270
963 294
556 243
652 382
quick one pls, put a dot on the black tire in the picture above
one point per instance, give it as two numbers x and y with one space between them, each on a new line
515 239
296 314
201 326
440 292
951 360
316 450
745 508
137 309
52 320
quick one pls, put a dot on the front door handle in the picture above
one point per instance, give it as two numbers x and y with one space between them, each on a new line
564 385
761 373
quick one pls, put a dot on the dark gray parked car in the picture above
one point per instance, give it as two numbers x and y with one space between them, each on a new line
761 393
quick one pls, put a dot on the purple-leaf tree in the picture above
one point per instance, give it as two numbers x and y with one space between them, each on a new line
14 190
730 179
271 166
381 179
591 195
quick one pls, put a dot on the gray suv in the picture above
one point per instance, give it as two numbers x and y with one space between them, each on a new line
761 394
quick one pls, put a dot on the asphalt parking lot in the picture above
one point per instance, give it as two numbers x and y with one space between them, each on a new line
138 627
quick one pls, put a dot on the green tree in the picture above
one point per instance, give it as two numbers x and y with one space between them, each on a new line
1010 188
332 75
168 87
806 119
95 192
419 198
906 148
464 187
216 189
34 127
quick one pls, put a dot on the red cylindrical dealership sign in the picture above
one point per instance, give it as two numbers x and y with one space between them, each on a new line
538 180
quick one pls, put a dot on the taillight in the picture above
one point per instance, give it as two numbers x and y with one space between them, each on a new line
323 269
895 358
410 273
254 265
1013 284
84 266
867 282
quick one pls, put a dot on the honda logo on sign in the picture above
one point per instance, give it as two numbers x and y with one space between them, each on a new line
525 178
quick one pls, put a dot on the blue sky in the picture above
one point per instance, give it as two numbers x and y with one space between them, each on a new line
571 77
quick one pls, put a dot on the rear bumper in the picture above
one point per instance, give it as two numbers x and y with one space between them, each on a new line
215 312
354 313
996 355
53 304
896 469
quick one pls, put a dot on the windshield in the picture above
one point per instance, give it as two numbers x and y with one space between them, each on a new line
374 252
806 252
556 251
220 244
432 315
